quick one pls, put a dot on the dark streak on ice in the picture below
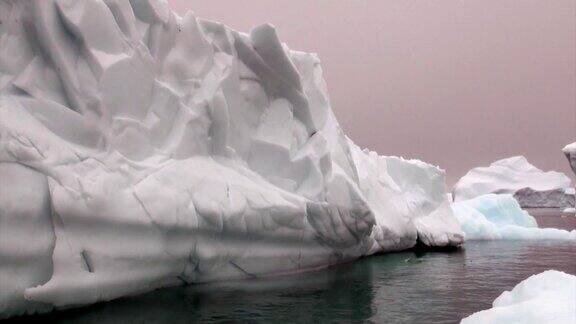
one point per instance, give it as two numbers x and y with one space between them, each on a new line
87 262
240 268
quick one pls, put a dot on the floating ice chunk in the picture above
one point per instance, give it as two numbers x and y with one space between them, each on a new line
499 217
531 186
547 297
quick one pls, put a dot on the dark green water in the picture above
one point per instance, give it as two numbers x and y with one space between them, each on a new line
434 287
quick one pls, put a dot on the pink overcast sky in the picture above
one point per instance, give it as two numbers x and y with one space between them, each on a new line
458 84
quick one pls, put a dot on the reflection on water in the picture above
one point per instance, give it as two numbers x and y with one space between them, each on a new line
399 287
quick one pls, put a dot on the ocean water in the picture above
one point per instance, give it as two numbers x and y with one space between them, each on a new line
405 287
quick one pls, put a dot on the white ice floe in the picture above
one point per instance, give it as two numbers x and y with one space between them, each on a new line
531 186
499 217
140 149
547 297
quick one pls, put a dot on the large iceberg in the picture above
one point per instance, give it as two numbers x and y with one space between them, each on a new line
532 187
547 297
499 217
140 149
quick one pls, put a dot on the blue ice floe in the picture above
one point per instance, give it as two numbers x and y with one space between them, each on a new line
499 217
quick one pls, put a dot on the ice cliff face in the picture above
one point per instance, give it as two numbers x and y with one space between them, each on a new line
531 186
139 149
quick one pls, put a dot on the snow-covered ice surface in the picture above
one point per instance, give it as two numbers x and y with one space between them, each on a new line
532 187
499 217
570 152
547 297
140 149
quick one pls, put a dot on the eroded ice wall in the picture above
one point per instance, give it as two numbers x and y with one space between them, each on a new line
140 149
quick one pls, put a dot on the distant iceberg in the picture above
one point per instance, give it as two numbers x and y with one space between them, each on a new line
547 297
532 187
499 217
570 152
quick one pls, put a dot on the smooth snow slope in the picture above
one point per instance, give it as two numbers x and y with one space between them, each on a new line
531 186
547 297
499 217
139 149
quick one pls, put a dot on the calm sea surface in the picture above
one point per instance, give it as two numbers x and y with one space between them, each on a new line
407 287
